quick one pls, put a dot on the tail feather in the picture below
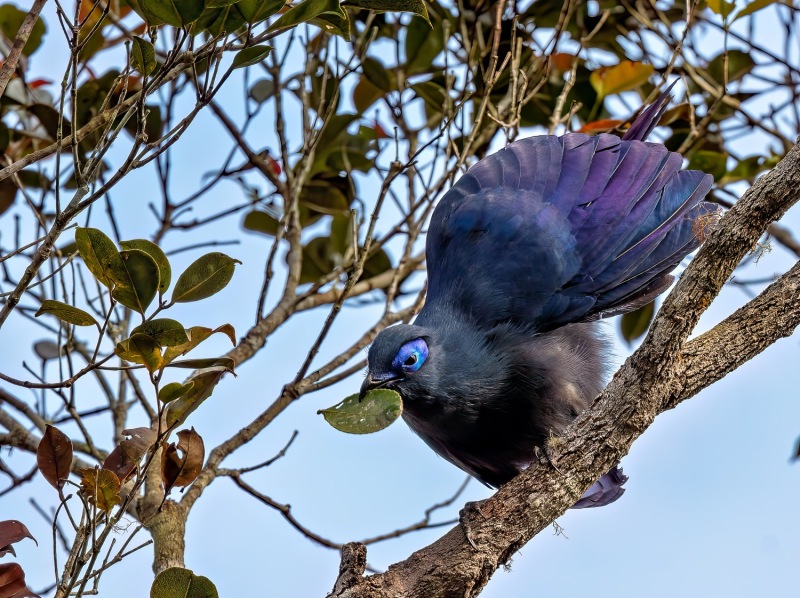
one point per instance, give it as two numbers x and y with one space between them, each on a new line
659 244
665 255
647 120
604 491
612 226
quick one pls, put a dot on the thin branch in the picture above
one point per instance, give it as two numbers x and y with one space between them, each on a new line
10 63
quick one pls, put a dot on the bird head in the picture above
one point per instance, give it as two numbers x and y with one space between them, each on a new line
442 362
398 359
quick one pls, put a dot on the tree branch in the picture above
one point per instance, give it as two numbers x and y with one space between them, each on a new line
23 34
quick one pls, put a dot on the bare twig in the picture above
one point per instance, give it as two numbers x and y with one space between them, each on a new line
10 63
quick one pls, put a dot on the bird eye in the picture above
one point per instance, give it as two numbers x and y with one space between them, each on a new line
411 356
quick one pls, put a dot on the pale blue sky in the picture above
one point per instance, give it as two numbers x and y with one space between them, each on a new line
711 504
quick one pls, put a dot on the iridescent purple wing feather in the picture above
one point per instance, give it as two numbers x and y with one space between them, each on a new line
554 230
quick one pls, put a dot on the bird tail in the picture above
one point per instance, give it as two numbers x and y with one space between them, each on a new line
643 125
604 491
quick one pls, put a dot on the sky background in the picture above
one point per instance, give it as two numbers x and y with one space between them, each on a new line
711 507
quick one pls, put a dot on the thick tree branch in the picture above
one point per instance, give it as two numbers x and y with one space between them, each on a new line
658 376
773 315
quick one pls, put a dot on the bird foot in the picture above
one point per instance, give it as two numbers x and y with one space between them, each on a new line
545 456
467 514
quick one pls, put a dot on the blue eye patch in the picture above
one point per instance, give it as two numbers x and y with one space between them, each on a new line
411 356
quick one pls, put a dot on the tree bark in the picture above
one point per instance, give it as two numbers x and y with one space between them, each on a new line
664 371
168 528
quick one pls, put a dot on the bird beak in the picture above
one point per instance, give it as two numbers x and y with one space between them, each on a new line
371 383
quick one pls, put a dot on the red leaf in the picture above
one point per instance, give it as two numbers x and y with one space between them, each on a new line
12 582
562 61
380 132
600 126
126 456
11 532
54 456
273 164
180 470
37 83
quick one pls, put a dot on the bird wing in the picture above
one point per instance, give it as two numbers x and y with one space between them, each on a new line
553 230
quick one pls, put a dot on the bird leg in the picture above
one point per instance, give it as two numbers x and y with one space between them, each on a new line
468 513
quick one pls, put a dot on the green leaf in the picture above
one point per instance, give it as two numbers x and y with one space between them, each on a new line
747 169
153 123
65 312
377 74
416 7
151 19
739 64
182 583
305 11
752 7
100 255
142 349
216 21
8 193
341 237
255 11
377 263
51 120
336 127
166 332
173 391
250 56
159 257
177 13
209 362
261 222
321 196
197 334
206 276
138 285
721 7
262 90
625 76
226 16
11 19
634 324
317 260
203 385
713 163
377 411
143 56
33 178
5 136
365 94
423 45
334 23
323 96
433 94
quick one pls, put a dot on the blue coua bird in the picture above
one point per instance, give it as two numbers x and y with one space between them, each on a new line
525 252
